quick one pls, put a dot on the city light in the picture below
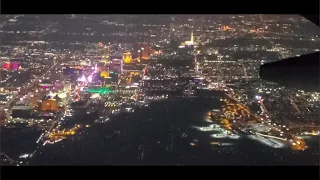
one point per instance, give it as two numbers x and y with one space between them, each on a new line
90 78
102 90
186 88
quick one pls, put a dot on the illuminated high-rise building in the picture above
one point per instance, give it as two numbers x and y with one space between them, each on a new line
105 55
49 105
33 100
127 58
172 27
104 73
139 55
117 65
192 37
191 42
144 51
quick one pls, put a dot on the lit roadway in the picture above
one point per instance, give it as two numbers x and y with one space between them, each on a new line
263 106
8 158
295 106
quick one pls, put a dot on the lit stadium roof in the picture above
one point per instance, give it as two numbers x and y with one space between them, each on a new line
100 90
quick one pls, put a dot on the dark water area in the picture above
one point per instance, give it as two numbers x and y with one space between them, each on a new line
161 135
19 140
80 118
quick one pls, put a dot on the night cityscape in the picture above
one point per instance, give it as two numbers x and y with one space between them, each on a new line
154 90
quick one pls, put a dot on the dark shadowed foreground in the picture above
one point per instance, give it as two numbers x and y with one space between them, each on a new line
161 135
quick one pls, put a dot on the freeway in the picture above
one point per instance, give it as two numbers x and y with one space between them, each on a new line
275 137
263 106
295 106
7 158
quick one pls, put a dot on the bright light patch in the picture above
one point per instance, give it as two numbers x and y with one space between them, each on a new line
102 90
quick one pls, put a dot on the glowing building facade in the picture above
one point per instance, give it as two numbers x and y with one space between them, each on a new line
15 65
191 42
49 105
11 65
105 72
66 86
127 58
33 101
102 90
144 51
117 65
105 55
